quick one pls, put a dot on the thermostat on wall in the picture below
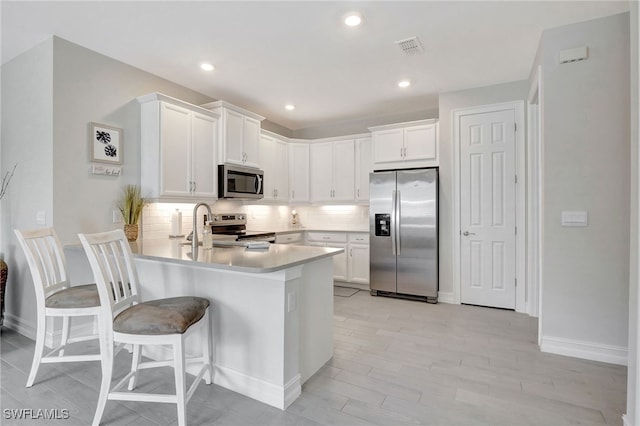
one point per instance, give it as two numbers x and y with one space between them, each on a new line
578 218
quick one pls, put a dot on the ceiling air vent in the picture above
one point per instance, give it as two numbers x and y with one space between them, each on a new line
410 46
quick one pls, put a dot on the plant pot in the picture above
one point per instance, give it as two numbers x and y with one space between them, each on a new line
131 231
3 283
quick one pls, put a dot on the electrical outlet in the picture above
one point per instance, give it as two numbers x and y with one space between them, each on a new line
115 216
292 301
41 217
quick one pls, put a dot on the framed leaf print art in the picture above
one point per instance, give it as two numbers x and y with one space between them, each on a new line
106 144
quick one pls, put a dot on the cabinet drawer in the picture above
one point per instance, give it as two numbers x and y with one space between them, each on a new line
289 238
359 238
327 237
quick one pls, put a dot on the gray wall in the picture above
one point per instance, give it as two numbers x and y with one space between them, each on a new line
586 137
27 139
50 94
515 91
633 378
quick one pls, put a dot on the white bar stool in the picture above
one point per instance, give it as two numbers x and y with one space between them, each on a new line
128 320
55 297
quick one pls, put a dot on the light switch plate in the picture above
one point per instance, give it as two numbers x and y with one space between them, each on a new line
575 218
41 217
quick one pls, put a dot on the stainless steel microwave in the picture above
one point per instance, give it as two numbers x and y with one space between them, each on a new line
239 182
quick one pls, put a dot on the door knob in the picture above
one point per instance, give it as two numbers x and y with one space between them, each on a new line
467 233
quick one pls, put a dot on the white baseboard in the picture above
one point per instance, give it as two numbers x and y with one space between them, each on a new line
276 396
585 350
445 297
26 328
52 337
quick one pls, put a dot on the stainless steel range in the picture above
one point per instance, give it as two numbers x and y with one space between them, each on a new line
236 224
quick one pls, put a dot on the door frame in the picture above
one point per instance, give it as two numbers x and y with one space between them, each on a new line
518 108
535 199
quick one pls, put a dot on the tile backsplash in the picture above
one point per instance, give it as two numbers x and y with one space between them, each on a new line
156 217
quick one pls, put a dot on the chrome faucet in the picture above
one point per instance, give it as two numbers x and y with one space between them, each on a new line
194 239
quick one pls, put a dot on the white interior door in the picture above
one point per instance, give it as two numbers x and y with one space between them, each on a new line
488 209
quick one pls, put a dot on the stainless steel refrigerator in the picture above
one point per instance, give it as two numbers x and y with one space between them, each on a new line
403 223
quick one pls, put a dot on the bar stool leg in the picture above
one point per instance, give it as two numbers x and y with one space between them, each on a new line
37 354
66 324
135 361
179 366
106 349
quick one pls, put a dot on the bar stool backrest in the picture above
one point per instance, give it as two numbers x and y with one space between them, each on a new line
114 270
46 261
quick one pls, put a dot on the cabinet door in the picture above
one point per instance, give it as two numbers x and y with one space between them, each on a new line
363 168
344 170
203 155
339 262
175 146
280 170
299 172
233 134
420 142
267 160
251 142
359 263
388 146
321 159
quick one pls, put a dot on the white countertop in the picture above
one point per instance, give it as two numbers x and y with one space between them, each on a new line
240 259
313 229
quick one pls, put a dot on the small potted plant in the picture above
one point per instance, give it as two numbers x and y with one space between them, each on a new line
130 206
4 269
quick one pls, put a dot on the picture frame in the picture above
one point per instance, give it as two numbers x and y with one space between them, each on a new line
106 143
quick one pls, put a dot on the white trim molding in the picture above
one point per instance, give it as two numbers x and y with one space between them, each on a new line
518 108
446 297
584 350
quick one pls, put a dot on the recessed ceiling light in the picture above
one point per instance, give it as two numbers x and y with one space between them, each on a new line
404 83
353 20
289 107
206 67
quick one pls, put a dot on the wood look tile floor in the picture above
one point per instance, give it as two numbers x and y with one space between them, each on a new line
396 362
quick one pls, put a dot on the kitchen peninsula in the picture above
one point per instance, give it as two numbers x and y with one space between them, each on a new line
272 308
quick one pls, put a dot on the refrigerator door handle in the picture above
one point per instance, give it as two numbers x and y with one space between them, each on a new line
393 222
398 216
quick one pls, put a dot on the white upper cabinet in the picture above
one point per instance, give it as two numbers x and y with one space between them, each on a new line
298 173
333 171
413 144
364 166
239 134
274 161
178 149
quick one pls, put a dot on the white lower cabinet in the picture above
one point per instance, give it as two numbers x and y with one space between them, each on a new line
332 239
352 266
295 238
358 259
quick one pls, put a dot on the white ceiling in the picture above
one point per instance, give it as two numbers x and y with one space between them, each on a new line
268 53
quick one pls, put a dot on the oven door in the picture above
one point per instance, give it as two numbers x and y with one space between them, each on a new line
239 182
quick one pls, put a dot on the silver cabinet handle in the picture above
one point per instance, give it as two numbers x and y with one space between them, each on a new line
467 233
351 252
293 194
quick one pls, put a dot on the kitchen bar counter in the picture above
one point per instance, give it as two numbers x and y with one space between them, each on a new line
272 309
276 257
